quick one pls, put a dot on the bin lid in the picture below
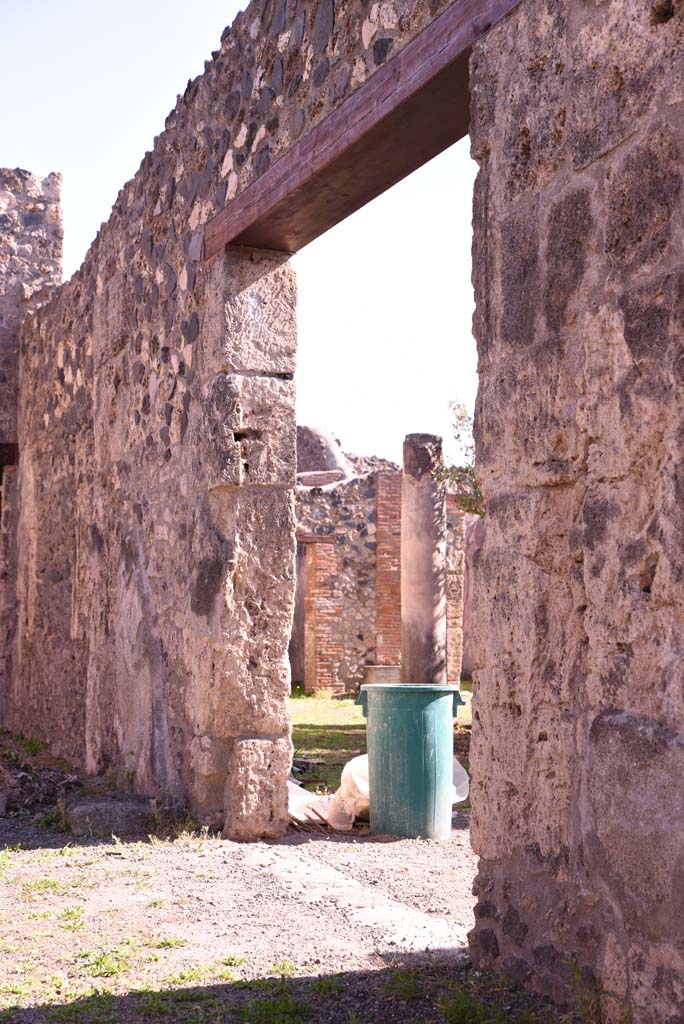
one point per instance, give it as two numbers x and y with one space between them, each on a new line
437 687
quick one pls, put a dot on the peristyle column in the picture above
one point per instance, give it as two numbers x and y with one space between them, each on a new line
423 563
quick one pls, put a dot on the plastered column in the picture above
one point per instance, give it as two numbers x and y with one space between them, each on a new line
423 563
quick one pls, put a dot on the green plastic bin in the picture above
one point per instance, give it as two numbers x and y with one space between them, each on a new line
410 733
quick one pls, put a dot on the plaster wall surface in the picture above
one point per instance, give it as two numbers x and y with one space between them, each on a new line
578 731
155 556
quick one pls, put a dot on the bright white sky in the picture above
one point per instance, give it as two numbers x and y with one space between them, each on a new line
385 298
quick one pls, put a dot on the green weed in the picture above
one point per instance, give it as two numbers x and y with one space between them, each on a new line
54 820
232 960
327 986
107 963
165 942
281 1010
463 1008
72 918
404 985
282 969
40 887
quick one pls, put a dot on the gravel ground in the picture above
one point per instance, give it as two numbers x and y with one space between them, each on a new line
339 929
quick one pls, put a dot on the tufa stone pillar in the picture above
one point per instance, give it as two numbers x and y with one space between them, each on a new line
423 563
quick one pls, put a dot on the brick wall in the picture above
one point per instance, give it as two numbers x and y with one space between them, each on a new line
388 571
323 651
456 520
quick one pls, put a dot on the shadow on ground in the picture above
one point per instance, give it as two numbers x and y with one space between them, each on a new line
443 989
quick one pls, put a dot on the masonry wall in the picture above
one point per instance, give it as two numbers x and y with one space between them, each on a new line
30 260
350 589
388 591
578 732
344 518
455 557
157 436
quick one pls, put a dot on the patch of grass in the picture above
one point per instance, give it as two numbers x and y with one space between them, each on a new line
165 942
232 960
283 1009
333 730
327 986
94 1007
107 963
55 819
187 975
328 729
404 985
282 969
72 918
41 887
17 989
463 1008
31 747
191 1005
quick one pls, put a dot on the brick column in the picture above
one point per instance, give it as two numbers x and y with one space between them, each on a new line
388 570
323 649
456 520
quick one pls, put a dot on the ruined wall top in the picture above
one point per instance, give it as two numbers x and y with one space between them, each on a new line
30 260
282 66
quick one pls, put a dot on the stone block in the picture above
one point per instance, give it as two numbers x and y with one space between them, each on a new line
249 436
256 788
643 193
249 316
103 816
635 840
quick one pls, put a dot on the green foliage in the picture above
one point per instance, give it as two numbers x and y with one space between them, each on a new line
282 969
283 1009
107 963
463 478
165 942
327 986
233 960
55 820
31 747
72 918
404 985
40 887
464 1008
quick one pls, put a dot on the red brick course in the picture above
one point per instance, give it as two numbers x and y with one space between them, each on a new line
388 570
322 609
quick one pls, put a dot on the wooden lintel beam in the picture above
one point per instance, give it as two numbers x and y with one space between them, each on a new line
407 112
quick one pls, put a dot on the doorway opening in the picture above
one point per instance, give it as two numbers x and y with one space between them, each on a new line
385 349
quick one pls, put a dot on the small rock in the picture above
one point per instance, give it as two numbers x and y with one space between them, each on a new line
104 816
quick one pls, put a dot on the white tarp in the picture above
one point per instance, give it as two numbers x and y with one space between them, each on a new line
350 802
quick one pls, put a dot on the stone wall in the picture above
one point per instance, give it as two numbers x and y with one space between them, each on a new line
30 260
344 517
578 733
350 594
157 435
9 517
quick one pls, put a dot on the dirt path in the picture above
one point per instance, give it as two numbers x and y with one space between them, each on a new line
192 930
